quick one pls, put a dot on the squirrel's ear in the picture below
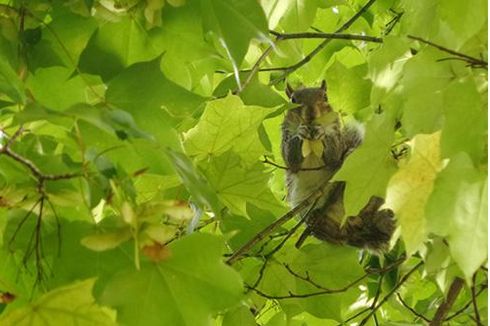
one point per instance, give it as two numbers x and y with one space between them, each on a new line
289 90
324 85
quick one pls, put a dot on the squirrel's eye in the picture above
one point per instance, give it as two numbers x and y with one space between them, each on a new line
293 99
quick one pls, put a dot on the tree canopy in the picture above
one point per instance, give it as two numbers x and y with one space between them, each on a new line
141 180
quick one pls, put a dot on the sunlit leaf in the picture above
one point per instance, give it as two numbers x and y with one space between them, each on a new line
369 168
227 124
81 310
237 184
236 23
457 209
140 296
410 188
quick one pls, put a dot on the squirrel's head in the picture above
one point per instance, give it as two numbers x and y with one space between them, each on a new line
314 116
313 101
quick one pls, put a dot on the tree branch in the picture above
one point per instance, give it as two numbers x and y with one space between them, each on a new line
324 290
471 60
308 295
395 288
444 308
331 36
286 217
267 161
460 311
322 45
6 149
412 310
473 300
255 69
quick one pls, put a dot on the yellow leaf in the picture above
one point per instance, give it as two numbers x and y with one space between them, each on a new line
127 213
410 188
305 148
106 241
316 147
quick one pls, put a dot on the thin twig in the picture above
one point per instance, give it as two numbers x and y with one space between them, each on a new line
16 135
444 308
306 278
392 23
255 69
308 295
473 300
22 221
325 290
469 59
331 36
412 310
283 219
38 174
267 161
395 288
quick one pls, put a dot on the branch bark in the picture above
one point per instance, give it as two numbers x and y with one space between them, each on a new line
322 45
270 228
330 36
445 307
471 60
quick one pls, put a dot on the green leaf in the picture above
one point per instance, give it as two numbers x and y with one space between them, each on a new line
410 188
457 210
385 66
461 20
274 10
141 296
10 83
48 83
237 184
424 81
255 93
53 307
465 121
242 229
85 263
227 124
115 122
63 40
299 16
118 45
235 23
332 267
347 89
241 316
149 97
369 168
194 181
188 57
420 18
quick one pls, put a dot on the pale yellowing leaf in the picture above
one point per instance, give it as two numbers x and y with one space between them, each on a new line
410 188
106 241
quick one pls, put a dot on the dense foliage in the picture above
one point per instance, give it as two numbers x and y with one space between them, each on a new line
140 148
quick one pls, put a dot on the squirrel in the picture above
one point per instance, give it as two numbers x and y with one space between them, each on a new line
314 146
